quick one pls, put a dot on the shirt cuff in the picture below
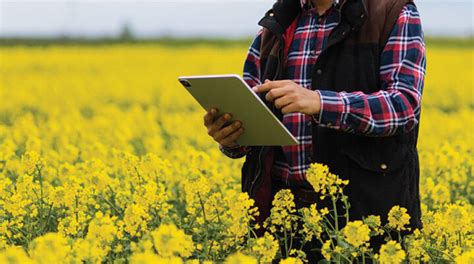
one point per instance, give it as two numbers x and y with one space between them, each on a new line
332 109
234 152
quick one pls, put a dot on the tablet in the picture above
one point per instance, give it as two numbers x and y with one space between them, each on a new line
231 94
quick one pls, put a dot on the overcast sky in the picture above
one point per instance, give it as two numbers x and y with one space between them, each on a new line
208 18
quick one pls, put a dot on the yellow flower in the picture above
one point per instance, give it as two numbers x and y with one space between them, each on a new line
461 215
239 258
356 233
170 241
326 250
312 222
14 255
50 248
97 244
391 253
466 257
398 218
151 258
324 211
31 161
291 261
136 219
415 247
323 181
374 222
282 215
265 248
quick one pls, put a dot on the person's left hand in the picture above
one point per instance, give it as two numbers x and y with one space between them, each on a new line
290 97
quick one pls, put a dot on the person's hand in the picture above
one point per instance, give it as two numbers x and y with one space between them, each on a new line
219 129
290 97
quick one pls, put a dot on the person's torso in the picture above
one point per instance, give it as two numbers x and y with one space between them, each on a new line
310 38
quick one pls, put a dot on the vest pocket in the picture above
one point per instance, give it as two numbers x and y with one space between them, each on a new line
381 175
378 156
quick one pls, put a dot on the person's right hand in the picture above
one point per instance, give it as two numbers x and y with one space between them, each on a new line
226 135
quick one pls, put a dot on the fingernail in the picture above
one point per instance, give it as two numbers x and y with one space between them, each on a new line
237 124
213 111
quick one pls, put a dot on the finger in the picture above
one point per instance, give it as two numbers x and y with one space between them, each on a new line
209 116
276 93
290 108
226 131
220 122
267 86
232 138
282 102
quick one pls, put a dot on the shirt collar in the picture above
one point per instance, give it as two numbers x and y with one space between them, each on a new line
308 8
303 2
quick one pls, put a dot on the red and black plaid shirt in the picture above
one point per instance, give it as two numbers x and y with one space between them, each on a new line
394 109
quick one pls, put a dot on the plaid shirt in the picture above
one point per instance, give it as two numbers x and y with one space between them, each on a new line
392 110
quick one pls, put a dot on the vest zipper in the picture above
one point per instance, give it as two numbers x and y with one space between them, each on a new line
259 169
280 59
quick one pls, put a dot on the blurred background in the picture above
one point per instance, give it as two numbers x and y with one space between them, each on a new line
148 19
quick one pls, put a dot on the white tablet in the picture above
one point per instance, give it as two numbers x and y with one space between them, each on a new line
231 94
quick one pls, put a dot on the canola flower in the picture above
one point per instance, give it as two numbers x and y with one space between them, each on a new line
265 248
391 253
283 212
291 261
239 258
325 182
170 241
398 218
102 159
312 219
374 222
50 248
356 233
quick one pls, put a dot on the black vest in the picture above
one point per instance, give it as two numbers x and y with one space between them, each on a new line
383 171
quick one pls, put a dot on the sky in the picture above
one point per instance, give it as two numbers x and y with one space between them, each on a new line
184 18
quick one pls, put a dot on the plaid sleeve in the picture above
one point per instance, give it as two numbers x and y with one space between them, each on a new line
396 108
252 62
251 75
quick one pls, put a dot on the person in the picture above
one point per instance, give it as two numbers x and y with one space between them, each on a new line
346 78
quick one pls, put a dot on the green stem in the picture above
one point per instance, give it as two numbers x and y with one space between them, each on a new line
442 253
327 221
111 205
291 240
346 205
253 232
41 198
339 255
202 207
206 223
336 221
140 179
47 219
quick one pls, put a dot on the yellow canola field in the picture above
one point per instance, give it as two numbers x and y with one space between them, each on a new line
104 158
